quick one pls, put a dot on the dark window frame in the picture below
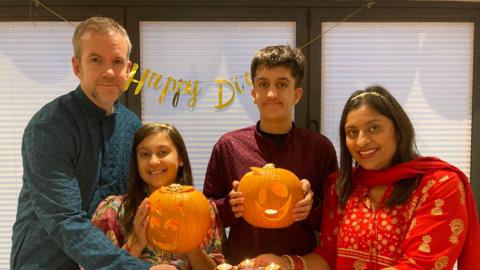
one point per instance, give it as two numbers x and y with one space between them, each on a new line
404 14
308 15
137 14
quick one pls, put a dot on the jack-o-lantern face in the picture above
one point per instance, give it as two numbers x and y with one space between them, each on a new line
269 196
168 225
180 218
273 200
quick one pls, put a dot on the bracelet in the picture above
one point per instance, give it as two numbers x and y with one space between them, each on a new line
128 245
303 263
299 263
291 265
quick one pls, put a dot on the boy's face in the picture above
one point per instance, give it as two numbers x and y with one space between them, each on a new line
275 94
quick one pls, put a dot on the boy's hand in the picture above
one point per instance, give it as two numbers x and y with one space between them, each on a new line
236 200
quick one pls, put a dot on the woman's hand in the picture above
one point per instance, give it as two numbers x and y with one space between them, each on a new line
302 208
236 200
163 267
266 259
138 240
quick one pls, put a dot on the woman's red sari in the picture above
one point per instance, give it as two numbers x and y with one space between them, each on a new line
436 226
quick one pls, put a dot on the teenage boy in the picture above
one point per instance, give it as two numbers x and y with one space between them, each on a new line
277 73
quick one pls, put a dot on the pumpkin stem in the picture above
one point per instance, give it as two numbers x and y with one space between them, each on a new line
258 171
176 188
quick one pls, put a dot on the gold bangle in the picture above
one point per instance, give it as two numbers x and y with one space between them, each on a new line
291 265
303 262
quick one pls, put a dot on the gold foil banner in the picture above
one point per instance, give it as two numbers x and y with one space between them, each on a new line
226 88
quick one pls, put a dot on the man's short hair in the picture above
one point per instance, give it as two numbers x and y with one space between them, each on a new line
99 25
279 55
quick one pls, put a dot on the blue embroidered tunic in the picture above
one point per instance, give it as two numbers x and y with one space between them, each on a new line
73 157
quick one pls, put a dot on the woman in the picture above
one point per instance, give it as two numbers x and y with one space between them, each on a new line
159 158
395 209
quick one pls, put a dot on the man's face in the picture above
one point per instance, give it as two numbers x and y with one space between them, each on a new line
275 93
103 67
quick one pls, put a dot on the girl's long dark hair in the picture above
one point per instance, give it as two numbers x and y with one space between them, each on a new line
137 189
380 100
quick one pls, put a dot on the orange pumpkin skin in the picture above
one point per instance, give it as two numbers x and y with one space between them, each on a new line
269 196
180 218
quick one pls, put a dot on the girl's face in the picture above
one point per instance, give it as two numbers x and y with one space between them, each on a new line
370 138
158 161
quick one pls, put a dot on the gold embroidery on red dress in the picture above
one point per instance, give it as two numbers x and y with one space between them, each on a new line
461 187
412 225
425 190
372 257
428 186
359 265
443 179
457 227
441 263
425 246
437 210
411 208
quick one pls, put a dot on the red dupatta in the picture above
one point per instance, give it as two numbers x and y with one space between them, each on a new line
421 166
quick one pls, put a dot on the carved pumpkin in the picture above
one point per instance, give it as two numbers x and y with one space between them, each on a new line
269 196
180 218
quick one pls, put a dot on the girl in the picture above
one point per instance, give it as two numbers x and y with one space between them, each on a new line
159 158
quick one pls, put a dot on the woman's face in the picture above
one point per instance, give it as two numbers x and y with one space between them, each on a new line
370 138
158 161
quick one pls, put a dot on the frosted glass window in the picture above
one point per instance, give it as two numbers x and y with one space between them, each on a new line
34 69
204 51
428 67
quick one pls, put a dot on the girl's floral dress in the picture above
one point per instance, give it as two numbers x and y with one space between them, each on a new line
109 213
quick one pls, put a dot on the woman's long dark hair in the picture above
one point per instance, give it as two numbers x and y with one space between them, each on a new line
380 100
137 189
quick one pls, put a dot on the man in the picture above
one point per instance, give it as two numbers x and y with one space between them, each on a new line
75 152
277 72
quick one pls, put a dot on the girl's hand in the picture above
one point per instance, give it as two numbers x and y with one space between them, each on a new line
236 200
207 239
138 240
